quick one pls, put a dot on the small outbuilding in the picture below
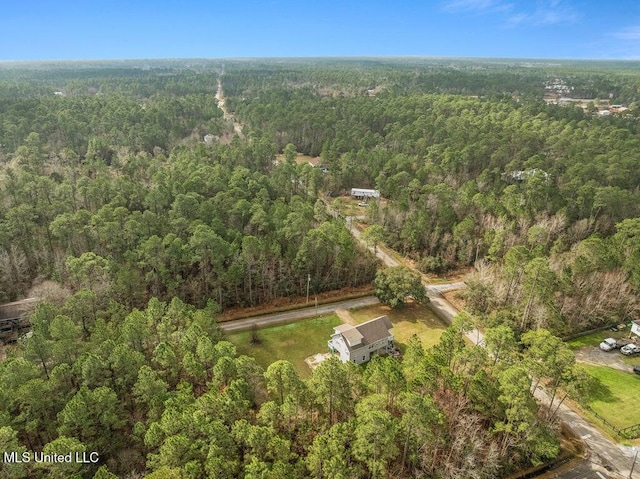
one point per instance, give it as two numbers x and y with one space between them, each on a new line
359 343
635 327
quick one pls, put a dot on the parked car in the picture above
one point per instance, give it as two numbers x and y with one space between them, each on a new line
608 344
362 203
636 369
630 349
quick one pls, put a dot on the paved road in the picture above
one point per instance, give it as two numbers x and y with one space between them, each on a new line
615 458
443 288
278 318
581 470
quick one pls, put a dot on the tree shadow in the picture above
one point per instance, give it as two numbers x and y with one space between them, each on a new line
598 391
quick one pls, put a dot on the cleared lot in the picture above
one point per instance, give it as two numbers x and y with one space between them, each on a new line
301 339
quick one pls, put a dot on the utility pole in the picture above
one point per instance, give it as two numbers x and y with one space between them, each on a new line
308 282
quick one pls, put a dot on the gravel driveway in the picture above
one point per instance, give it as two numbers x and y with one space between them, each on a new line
594 355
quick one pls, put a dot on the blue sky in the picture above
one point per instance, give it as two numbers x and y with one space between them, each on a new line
100 29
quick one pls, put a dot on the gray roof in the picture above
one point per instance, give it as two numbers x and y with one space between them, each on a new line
343 327
353 337
365 333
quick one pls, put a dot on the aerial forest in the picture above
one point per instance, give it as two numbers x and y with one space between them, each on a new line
136 213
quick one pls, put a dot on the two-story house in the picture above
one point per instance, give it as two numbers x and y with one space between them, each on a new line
359 343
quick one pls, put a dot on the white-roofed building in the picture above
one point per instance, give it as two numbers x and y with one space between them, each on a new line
364 193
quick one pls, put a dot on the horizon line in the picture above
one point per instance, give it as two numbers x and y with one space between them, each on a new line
315 57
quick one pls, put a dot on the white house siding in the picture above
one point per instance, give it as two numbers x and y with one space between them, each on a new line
362 355
337 342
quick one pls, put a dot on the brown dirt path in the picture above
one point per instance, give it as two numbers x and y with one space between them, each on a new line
345 317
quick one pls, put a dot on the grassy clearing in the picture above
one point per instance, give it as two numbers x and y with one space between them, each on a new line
293 342
617 399
408 320
350 206
300 159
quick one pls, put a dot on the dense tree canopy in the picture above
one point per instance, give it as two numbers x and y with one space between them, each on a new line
159 389
470 175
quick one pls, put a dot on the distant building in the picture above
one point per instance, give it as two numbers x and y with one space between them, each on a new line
617 109
359 343
14 318
364 193
316 163
523 175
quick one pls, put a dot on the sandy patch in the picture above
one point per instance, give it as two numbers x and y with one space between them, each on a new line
316 359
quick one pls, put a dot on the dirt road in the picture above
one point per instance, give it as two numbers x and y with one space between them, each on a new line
237 126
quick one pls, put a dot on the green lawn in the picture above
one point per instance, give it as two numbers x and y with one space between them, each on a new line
293 342
407 320
618 397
